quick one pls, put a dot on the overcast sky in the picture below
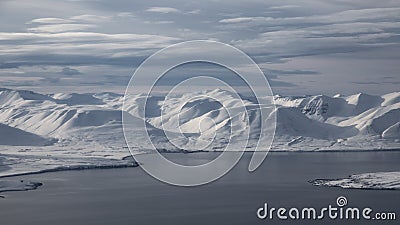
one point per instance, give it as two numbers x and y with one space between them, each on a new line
304 47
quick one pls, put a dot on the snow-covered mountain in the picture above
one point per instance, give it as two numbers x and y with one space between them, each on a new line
358 121
88 127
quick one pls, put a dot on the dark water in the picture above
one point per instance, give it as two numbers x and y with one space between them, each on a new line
130 196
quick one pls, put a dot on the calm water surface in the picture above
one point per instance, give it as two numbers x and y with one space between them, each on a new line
130 196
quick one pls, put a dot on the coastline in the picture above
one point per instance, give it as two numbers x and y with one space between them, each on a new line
126 195
124 163
129 164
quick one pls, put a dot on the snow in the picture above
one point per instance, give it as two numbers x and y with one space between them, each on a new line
392 131
363 102
391 98
77 99
14 136
378 180
292 122
18 185
41 132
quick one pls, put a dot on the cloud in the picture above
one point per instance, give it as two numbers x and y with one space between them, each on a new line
74 23
196 11
126 14
366 82
277 83
342 16
299 36
291 72
159 22
246 19
317 40
135 40
70 71
78 48
57 28
117 36
49 20
284 7
375 82
163 10
90 18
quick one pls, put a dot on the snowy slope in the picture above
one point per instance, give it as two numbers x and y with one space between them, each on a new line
322 120
362 102
358 121
292 122
16 137
87 128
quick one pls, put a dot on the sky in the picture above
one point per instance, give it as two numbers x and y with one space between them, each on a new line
302 46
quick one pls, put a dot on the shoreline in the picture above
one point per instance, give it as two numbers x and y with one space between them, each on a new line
272 151
15 185
136 164
58 169
366 181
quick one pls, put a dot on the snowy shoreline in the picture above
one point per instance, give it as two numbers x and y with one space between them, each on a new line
67 168
304 151
22 185
376 181
367 181
18 185
12 165
17 165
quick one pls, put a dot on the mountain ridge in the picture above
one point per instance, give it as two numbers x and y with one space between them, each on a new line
316 122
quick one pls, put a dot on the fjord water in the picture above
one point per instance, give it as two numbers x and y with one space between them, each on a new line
130 196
